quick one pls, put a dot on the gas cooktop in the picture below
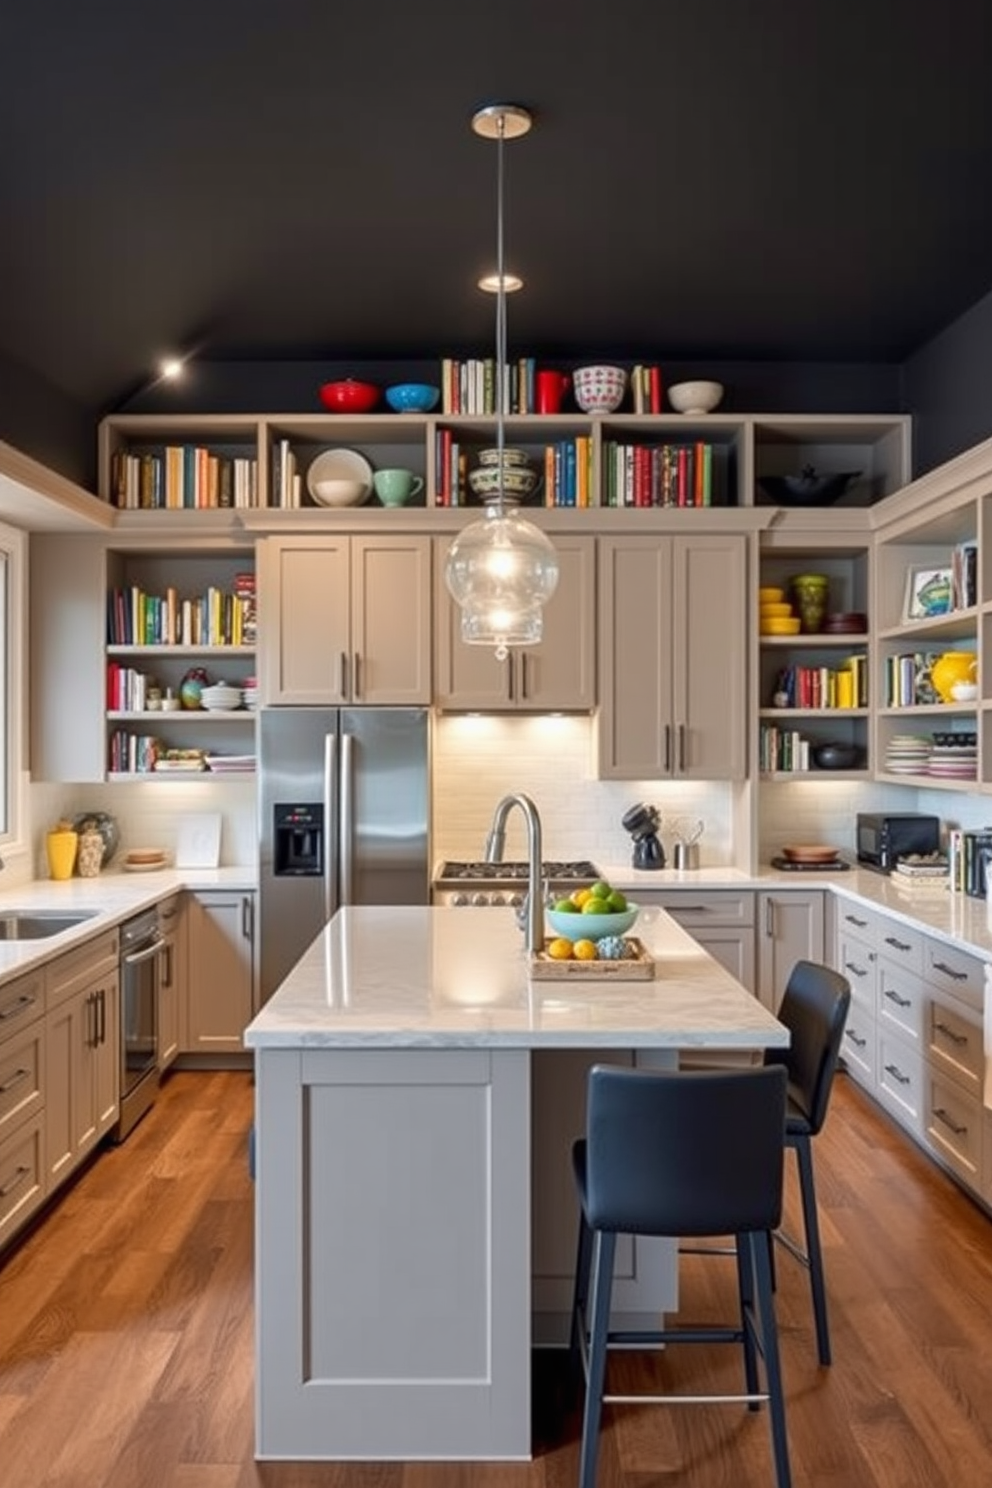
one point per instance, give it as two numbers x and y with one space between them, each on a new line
580 871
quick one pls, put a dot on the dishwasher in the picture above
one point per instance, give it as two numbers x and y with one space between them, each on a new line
141 954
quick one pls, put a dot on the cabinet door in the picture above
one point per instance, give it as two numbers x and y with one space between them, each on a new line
168 1002
71 1042
709 577
304 619
104 1054
220 984
68 579
391 621
790 929
561 671
635 740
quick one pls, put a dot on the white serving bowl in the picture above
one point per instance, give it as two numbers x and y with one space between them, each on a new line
695 397
339 492
599 389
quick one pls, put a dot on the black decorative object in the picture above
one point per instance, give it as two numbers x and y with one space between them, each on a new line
808 488
642 823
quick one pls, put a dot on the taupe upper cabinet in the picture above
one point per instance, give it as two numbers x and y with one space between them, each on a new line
345 620
673 622
560 673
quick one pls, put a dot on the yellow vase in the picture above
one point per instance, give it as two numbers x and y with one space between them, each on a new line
952 667
61 848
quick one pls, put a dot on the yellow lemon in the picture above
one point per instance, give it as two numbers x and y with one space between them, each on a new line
560 949
585 950
580 896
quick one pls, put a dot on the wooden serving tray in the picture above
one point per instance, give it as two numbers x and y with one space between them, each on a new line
637 969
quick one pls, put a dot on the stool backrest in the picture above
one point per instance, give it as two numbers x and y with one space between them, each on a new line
686 1152
814 1009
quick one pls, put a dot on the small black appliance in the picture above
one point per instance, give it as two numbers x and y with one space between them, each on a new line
642 823
885 837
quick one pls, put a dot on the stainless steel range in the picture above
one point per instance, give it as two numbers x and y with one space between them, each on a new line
483 884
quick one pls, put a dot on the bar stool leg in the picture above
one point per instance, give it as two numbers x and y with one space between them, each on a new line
814 1252
745 1289
604 1247
758 1248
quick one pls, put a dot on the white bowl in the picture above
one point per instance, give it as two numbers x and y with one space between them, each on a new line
599 389
695 397
339 492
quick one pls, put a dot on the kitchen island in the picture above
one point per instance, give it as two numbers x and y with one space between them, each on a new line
417 1094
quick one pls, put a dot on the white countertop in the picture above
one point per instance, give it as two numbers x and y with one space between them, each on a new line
114 896
422 978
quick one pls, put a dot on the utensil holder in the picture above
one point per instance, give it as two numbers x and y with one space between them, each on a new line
685 855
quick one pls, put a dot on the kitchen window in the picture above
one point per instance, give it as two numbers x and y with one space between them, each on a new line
13 699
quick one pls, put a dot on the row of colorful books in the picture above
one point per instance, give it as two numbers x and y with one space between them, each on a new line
646 475
782 750
216 618
179 477
469 387
843 686
968 856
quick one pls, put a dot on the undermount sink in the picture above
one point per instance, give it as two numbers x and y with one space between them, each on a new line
38 924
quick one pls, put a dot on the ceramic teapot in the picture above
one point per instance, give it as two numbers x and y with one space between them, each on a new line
950 669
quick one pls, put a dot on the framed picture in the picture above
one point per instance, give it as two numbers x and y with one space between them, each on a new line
928 591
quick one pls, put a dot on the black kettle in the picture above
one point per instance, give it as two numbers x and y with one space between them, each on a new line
642 823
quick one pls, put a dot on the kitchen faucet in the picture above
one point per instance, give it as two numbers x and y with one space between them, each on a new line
534 926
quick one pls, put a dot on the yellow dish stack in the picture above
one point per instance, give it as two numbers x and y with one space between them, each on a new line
775 615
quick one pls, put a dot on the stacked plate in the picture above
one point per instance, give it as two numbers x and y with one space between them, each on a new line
953 757
907 754
221 698
846 622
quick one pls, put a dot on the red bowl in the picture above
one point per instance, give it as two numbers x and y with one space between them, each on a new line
349 396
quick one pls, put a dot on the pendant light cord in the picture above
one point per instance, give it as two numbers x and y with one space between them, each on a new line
500 310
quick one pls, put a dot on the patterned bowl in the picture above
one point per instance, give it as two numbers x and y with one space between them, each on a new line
599 389
510 456
518 481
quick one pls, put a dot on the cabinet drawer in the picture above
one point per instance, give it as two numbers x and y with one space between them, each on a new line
955 1045
694 908
21 1064
899 1083
901 1005
20 1003
951 970
858 1045
898 943
96 958
857 962
22 1175
854 920
954 1128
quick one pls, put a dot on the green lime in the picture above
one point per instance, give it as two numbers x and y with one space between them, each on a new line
565 906
595 906
601 889
617 902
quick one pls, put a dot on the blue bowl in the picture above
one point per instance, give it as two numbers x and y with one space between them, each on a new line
412 397
591 926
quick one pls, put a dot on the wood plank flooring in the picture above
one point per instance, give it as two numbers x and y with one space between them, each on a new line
126 1333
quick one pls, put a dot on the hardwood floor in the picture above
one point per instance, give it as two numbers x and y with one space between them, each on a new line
126 1333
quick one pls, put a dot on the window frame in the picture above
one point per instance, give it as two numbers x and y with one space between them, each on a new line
13 681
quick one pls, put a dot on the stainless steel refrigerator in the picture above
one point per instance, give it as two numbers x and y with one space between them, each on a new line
345 812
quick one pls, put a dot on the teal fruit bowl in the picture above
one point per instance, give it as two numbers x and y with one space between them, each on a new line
581 926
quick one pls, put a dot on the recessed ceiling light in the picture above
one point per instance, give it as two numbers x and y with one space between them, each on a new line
171 367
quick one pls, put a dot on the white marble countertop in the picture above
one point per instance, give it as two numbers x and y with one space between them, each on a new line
114 896
421 978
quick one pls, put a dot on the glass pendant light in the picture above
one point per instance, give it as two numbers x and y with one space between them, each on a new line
501 570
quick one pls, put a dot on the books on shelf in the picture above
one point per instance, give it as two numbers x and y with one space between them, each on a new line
182 477
843 686
782 750
653 475
469 387
906 681
218 617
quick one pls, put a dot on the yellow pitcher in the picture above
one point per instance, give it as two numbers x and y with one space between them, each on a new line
60 844
952 667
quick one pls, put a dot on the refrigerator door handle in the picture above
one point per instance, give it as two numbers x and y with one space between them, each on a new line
347 818
330 825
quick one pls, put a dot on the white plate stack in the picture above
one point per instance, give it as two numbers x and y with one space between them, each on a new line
221 698
907 754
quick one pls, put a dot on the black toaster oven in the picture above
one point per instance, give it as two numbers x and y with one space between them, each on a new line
885 837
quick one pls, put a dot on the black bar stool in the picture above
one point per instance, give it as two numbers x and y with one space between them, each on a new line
814 1009
686 1153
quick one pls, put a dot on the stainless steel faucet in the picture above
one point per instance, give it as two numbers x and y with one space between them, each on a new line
534 925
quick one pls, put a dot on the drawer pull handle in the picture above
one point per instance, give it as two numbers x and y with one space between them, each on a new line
15 1079
941 1115
898 945
902 1002
853 920
19 1173
957 976
18 1006
955 1038
688 909
859 1042
897 1074
859 971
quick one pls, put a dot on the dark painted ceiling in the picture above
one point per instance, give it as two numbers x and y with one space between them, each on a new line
736 179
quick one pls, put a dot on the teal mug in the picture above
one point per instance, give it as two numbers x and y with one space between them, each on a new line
397 487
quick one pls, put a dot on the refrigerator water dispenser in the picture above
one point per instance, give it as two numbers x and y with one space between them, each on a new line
298 835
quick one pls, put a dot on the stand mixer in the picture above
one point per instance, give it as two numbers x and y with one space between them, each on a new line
642 822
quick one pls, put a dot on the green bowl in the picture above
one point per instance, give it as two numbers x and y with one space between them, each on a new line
581 926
